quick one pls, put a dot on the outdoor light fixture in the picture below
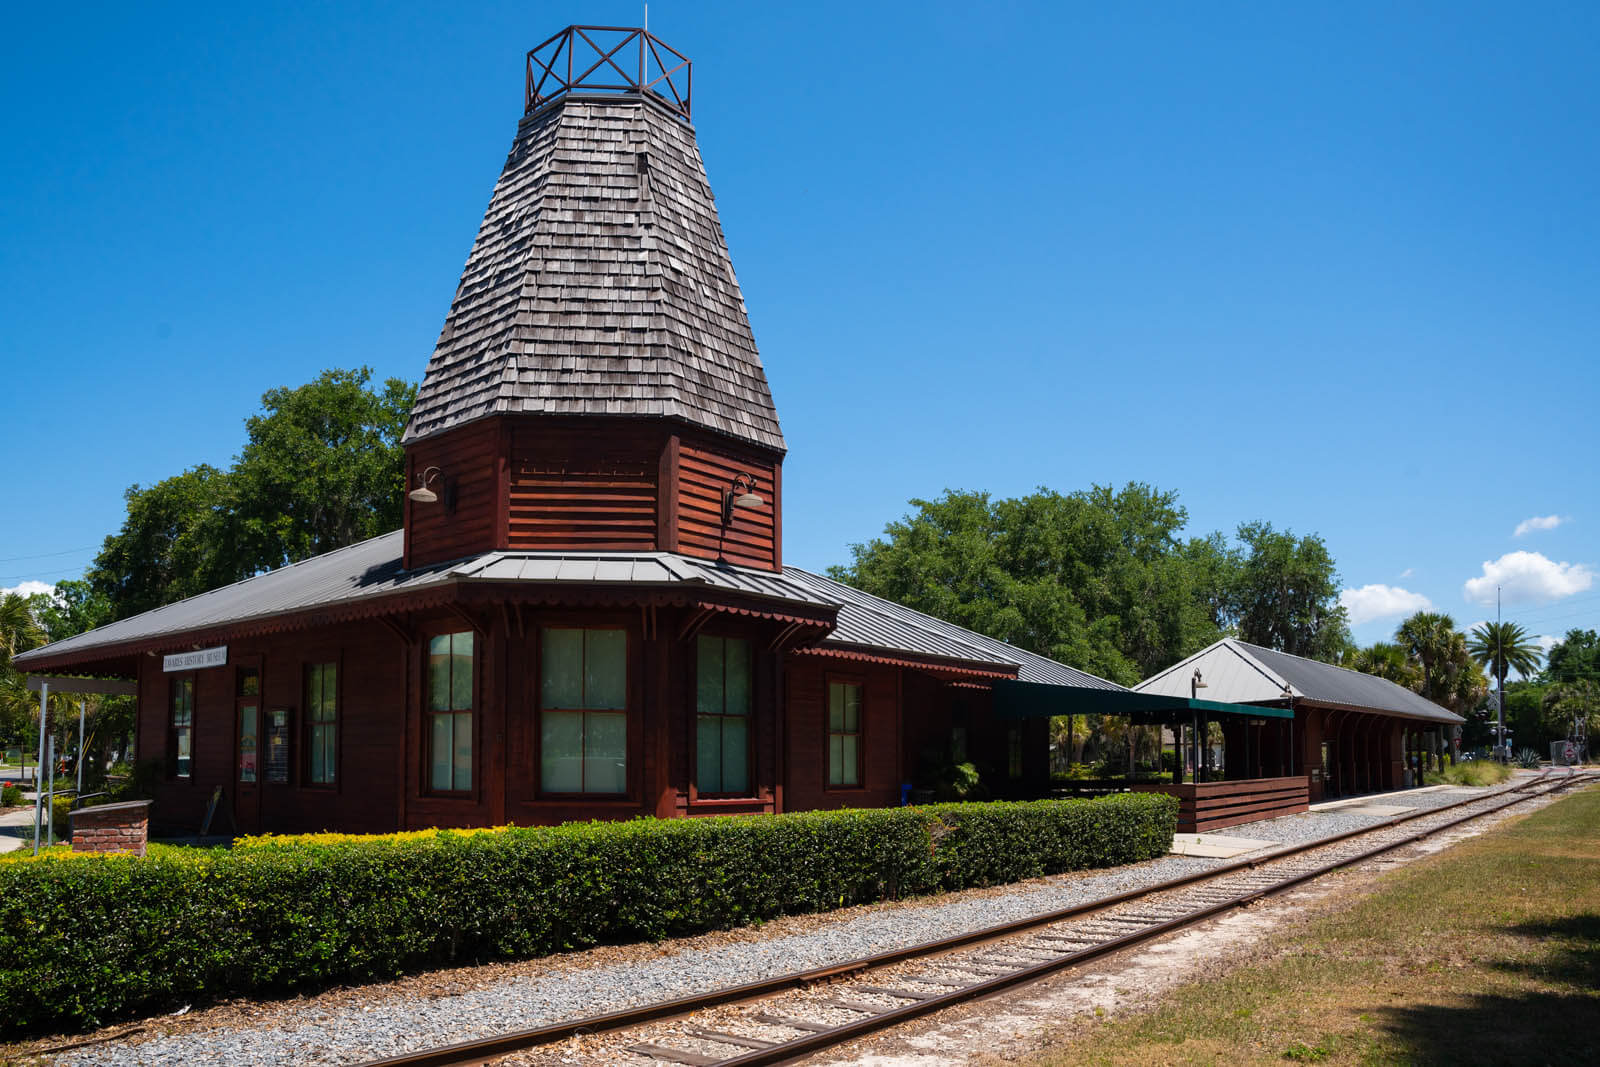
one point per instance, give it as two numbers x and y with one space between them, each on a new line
1196 684
422 494
733 498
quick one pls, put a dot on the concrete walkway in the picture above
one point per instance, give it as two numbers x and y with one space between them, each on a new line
1367 799
16 830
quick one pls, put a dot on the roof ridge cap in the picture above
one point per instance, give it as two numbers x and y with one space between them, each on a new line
1233 643
1163 672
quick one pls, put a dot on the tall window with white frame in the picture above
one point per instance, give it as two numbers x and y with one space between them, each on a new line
322 723
180 727
450 706
844 734
722 716
583 711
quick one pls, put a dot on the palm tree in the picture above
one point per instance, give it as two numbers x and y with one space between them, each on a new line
1499 646
1387 661
19 630
1428 637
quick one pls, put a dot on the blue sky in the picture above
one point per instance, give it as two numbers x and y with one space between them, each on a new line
1334 267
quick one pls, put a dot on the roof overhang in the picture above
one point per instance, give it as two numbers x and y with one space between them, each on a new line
942 667
1443 717
1032 700
810 621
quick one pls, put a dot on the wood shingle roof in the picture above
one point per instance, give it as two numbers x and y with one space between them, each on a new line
600 284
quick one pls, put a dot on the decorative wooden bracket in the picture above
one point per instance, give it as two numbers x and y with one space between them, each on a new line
399 629
694 623
470 619
780 642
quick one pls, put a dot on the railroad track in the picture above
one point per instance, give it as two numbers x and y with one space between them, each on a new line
781 1019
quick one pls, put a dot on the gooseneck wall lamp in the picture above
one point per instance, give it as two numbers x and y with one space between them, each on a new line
741 493
422 494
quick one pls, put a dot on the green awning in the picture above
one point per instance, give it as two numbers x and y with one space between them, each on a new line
1032 700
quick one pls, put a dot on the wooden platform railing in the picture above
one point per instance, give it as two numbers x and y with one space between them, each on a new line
1212 805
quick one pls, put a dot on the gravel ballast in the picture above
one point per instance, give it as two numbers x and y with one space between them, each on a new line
390 1022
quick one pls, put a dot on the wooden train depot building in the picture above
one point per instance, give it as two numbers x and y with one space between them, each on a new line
586 613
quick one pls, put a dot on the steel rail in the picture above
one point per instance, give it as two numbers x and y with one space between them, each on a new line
837 1035
482 1049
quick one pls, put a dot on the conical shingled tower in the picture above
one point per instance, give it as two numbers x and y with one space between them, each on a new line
597 334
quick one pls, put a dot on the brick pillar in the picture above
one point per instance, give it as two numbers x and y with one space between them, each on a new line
112 828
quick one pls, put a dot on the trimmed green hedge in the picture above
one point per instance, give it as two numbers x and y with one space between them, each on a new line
88 939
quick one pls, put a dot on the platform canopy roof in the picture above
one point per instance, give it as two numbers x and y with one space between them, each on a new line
1028 700
1239 672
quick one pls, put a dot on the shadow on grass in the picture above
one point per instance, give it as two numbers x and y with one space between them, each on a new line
1557 1026
1574 958
1553 1028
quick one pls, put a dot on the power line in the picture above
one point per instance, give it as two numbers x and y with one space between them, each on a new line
33 576
1592 612
47 555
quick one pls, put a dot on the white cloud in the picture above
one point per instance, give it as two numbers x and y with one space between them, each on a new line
1546 642
1408 572
1381 602
29 588
1539 522
1525 577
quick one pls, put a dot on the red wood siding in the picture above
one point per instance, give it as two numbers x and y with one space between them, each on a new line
596 484
469 459
371 692
806 772
584 487
706 468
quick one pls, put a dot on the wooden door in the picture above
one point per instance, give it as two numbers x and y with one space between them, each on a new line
248 723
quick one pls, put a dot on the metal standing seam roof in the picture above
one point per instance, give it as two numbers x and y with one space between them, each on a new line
372 569
1239 672
639 568
369 568
870 621
600 284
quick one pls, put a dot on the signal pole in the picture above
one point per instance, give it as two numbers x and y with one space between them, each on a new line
1499 661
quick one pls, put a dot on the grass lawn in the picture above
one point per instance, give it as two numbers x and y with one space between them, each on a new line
1488 953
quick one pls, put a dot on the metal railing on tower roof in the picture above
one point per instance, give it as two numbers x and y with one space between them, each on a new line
617 59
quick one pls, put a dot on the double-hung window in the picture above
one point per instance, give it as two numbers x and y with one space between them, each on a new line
722 715
322 723
180 727
844 734
450 701
583 711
